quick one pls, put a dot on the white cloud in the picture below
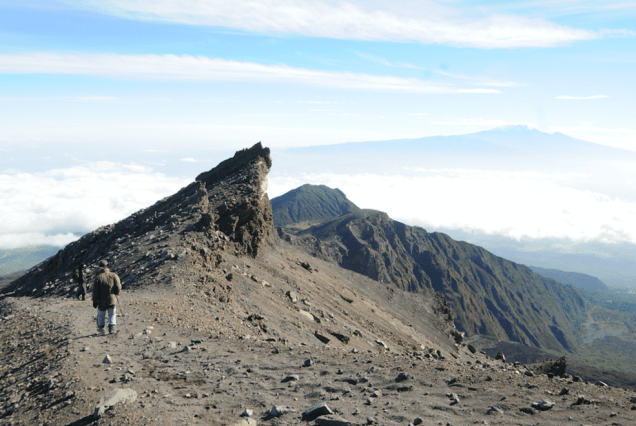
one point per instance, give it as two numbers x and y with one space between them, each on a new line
57 206
201 68
623 137
189 160
400 21
475 80
581 98
481 122
515 204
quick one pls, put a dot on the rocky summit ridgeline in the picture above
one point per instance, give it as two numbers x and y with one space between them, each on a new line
224 323
226 208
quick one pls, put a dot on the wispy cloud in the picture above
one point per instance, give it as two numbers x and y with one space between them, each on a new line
201 68
475 80
429 22
582 98
535 205
58 206
386 62
96 98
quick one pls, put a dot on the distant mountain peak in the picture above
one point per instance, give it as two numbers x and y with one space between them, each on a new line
516 128
311 204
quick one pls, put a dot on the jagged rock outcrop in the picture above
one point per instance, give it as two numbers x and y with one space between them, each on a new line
225 208
489 295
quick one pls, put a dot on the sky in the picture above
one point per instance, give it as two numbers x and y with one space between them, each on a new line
108 106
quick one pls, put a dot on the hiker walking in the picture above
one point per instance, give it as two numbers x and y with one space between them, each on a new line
105 290
79 279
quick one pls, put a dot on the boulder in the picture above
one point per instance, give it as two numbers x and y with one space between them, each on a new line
279 410
543 405
332 421
112 398
318 409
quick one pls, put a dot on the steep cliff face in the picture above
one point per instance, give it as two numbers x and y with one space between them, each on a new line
489 295
237 201
225 208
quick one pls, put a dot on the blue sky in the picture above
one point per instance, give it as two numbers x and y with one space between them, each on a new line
141 88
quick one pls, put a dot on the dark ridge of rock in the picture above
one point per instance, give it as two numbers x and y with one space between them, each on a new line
238 204
312 204
488 295
578 280
226 208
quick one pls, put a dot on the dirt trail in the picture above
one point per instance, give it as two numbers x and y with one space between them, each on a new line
220 377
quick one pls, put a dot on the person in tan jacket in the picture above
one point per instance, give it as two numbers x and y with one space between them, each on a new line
105 290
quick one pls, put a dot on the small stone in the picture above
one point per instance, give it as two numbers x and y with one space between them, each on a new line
292 296
381 343
290 378
418 421
495 409
318 409
279 410
247 413
543 405
332 421
403 377
112 398
107 360
454 398
308 362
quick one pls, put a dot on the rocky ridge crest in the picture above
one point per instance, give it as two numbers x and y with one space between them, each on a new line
489 295
226 208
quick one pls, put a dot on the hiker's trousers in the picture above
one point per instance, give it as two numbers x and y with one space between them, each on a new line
112 316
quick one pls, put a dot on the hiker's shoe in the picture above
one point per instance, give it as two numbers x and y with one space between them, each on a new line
101 330
112 329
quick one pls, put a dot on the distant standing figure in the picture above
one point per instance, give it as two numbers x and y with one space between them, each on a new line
79 279
105 290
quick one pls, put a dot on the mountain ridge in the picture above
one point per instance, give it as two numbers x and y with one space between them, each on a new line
489 295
